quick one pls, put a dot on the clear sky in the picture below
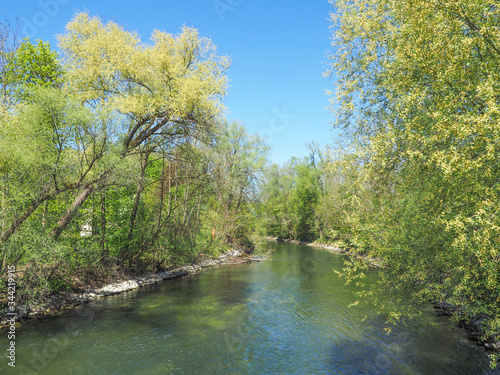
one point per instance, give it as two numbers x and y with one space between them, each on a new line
277 49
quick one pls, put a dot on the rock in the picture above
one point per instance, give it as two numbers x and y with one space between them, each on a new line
22 312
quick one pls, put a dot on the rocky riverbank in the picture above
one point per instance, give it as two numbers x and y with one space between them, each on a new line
473 326
66 300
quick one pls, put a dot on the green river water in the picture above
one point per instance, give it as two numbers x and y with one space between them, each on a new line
287 315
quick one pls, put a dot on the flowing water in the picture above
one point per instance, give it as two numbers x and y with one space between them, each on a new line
287 315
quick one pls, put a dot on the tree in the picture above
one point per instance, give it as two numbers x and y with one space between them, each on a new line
117 153
290 195
235 162
161 91
306 197
276 191
418 91
34 66
9 42
49 147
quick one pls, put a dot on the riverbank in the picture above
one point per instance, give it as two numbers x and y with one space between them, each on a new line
67 300
473 326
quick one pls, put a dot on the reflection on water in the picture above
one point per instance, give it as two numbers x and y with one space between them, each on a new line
288 315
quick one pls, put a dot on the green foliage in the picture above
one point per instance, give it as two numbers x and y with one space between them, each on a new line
275 194
418 97
290 196
305 199
235 161
34 66
116 154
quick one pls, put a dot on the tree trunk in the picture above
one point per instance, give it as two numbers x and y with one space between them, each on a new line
103 225
137 200
34 205
71 212
133 216
9 232
88 188
45 212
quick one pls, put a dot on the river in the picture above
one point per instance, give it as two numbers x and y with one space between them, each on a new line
287 315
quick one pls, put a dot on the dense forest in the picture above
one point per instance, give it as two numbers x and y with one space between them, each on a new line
118 152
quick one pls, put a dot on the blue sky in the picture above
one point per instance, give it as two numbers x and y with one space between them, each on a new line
277 49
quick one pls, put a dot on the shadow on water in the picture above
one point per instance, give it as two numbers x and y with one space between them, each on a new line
400 354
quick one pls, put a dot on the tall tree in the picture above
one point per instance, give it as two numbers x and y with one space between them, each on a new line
418 89
49 147
9 42
236 161
162 91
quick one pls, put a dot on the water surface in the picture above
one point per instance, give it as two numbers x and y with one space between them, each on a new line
288 315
